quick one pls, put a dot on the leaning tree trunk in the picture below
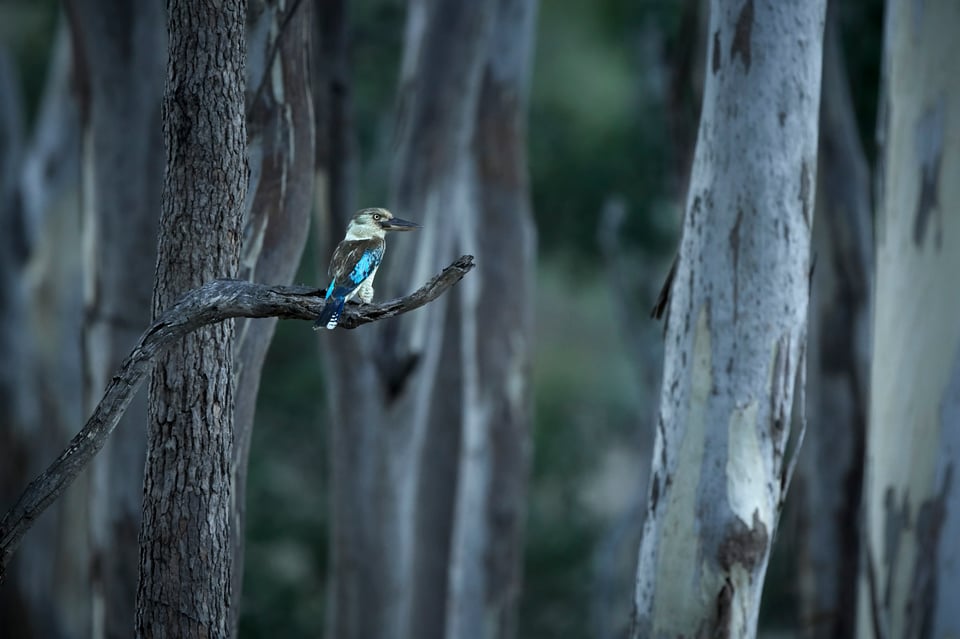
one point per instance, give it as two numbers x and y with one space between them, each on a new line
830 471
186 555
912 572
737 326
121 53
281 140
496 311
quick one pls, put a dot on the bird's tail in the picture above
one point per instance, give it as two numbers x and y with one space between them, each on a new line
330 314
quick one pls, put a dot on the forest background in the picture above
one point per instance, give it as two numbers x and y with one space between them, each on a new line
613 111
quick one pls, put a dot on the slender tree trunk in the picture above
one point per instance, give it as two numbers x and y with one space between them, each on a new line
394 453
22 609
496 310
912 573
121 52
830 472
46 593
186 557
737 326
281 158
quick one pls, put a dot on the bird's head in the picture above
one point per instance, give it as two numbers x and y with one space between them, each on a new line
367 223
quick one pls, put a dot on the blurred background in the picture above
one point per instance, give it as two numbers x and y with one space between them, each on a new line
616 89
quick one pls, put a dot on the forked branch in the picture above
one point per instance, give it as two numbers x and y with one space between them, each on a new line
213 302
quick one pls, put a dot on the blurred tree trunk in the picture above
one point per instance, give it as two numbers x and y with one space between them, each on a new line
22 608
396 452
496 307
736 333
47 590
121 54
277 213
830 472
186 557
912 572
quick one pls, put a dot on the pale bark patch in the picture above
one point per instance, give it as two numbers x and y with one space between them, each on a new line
679 539
745 462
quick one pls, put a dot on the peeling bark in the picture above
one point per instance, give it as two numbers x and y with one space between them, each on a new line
912 504
736 334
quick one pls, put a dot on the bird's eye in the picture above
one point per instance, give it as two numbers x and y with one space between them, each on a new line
376 216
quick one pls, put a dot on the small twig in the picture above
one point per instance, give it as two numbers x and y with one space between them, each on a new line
213 302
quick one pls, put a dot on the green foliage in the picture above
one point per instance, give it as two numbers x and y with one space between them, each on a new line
596 129
27 28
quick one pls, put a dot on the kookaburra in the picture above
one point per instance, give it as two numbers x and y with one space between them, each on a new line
354 264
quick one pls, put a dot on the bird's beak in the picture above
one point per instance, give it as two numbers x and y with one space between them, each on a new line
396 224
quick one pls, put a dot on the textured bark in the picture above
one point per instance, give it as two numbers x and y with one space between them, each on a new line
281 158
121 53
912 573
186 558
737 326
496 314
829 482
47 590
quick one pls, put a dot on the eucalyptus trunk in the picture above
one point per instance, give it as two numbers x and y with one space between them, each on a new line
47 589
830 473
277 215
402 393
736 334
121 53
912 574
186 556
496 310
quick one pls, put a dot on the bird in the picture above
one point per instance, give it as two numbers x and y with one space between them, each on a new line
356 259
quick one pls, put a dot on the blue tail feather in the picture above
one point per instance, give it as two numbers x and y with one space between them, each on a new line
330 314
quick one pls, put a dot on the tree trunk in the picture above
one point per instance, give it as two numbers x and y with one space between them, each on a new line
281 158
377 445
496 311
396 455
912 572
121 52
46 593
830 472
737 326
186 555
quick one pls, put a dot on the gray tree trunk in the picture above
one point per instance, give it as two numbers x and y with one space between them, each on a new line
912 573
186 557
830 472
22 609
396 453
46 593
121 53
496 310
277 213
737 326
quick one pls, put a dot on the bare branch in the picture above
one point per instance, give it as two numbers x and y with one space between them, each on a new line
213 302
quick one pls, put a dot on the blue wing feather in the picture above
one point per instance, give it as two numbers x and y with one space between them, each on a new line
352 263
